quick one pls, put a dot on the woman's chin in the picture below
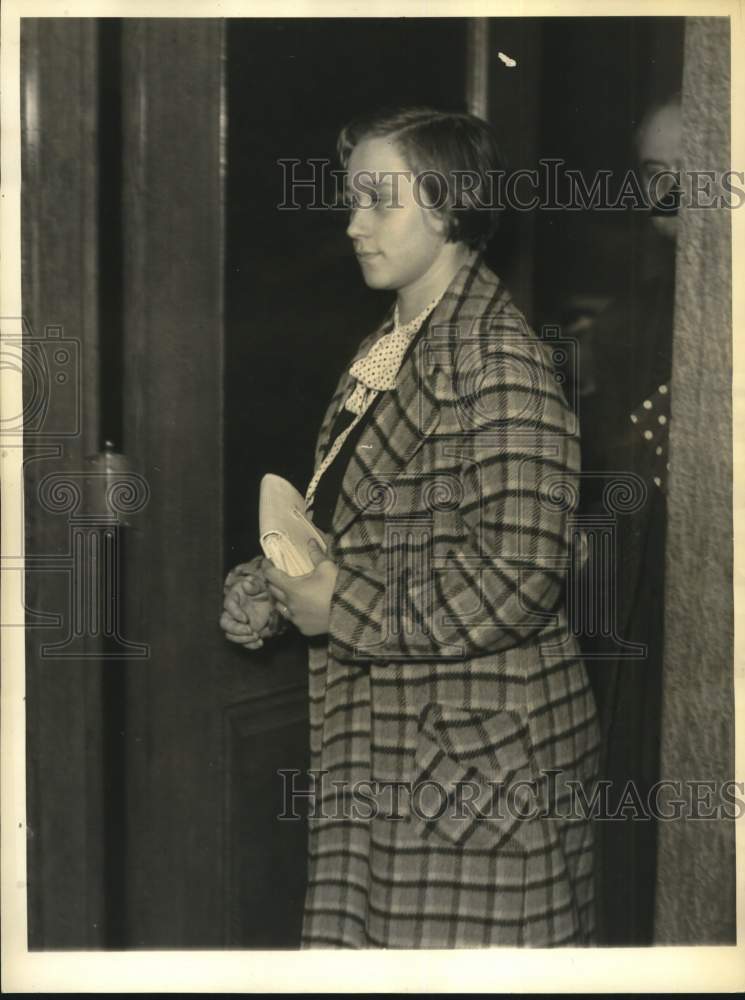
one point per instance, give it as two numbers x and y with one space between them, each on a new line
373 280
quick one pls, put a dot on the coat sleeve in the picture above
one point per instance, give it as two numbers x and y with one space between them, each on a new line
491 575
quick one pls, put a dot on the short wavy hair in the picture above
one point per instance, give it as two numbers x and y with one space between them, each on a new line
441 144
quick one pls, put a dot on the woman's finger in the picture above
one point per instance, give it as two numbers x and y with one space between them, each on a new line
237 573
232 606
242 641
317 555
278 594
274 575
233 627
247 634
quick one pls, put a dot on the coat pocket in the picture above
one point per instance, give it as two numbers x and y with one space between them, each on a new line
475 780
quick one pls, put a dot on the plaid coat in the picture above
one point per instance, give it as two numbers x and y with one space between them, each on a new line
448 699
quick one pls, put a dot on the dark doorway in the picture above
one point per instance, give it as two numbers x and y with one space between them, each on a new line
296 306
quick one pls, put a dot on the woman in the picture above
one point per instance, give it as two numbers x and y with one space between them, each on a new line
443 682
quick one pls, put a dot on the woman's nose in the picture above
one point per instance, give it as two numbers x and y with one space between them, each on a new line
358 223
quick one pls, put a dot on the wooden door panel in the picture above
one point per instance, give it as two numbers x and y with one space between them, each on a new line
265 857
66 850
173 251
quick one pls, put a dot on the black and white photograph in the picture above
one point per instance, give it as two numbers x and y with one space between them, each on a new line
369 562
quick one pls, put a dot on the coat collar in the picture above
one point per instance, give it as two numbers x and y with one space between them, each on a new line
404 417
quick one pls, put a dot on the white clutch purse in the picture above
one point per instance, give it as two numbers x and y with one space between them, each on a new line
284 528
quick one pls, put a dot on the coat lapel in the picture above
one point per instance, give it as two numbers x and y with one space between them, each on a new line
405 416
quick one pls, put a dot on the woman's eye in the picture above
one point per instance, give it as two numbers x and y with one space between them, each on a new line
370 199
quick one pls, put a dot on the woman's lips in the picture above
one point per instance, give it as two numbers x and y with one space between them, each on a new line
367 255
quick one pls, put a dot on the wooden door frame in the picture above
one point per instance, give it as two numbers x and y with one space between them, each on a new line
65 820
174 234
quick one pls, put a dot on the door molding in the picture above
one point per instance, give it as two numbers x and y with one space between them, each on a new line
173 220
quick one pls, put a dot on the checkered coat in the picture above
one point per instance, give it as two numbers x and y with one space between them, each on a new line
448 702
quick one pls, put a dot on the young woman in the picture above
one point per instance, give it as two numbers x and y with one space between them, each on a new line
449 706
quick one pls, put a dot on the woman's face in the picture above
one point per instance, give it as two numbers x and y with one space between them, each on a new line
397 240
659 146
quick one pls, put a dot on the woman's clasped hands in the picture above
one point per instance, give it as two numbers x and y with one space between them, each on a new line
305 600
249 614
259 599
